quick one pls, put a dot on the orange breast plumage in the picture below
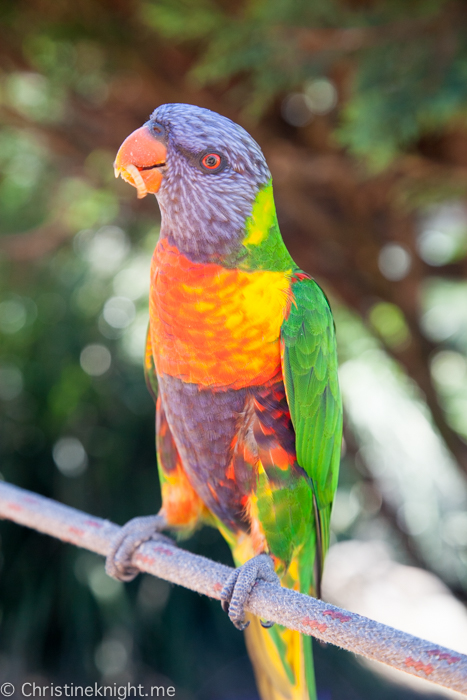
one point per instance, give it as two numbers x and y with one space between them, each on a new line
213 326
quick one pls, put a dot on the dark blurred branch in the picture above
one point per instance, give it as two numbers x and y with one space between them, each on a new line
34 244
281 605
356 38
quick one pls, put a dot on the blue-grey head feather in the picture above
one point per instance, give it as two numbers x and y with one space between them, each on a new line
204 213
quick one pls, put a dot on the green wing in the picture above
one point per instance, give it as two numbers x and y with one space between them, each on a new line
309 365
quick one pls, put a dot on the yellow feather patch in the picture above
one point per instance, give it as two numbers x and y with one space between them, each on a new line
262 217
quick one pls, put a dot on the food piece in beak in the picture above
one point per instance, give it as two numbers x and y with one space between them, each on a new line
139 161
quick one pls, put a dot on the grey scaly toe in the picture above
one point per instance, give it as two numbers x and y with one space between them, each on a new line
239 585
131 536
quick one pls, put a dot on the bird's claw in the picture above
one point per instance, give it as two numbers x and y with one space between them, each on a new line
132 534
266 624
239 585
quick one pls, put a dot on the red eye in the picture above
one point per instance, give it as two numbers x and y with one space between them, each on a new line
211 161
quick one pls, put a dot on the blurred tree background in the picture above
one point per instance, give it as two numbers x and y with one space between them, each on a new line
361 109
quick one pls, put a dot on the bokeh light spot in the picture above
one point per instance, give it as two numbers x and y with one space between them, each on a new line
133 281
388 320
153 594
394 262
27 91
443 235
95 359
439 323
345 510
11 382
13 316
119 312
320 96
70 456
105 250
111 657
295 110
134 341
436 247
104 587
448 369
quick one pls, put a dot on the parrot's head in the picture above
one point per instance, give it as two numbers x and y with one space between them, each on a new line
205 171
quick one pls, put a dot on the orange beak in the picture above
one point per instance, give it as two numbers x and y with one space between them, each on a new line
139 161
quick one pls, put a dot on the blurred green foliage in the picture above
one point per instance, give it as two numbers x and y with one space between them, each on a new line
424 82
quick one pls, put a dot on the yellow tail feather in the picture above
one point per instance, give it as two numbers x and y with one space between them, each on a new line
271 677
282 658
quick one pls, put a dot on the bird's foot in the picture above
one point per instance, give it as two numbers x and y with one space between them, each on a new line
132 534
238 587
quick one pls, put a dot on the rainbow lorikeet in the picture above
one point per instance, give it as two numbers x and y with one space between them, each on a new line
241 359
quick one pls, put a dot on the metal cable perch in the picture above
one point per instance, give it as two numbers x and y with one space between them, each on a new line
286 607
